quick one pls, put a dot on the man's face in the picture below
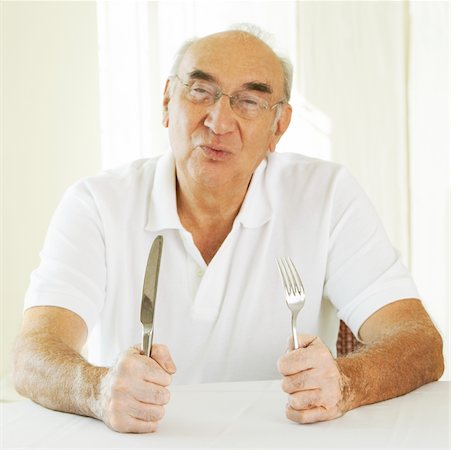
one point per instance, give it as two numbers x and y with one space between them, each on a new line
212 144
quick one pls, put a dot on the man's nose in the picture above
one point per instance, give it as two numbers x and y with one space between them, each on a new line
220 117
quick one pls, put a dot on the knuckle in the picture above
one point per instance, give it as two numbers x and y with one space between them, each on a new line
294 402
298 381
283 366
153 414
124 366
161 396
300 402
167 379
158 413
166 396
287 385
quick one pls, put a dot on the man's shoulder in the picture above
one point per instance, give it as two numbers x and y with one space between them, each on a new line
115 189
130 172
134 175
295 176
296 163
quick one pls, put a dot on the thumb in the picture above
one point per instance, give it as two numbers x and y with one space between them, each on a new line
304 341
160 353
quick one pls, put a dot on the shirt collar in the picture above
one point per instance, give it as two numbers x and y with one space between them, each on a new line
256 209
162 213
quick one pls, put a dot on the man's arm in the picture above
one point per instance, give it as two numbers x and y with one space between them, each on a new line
49 369
402 351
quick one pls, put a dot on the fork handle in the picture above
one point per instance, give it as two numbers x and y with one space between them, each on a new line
295 332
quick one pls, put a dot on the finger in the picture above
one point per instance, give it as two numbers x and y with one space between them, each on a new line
161 354
139 376
304 358
301 381
317 414
294 362
121 420
151 371
151 393
132 425
305 399
141 426
146 412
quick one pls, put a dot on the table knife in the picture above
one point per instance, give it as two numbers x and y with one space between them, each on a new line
149 294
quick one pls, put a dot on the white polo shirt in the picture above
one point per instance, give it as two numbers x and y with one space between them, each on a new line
227 321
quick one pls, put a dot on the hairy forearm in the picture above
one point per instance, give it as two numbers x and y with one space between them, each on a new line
397 363
54 375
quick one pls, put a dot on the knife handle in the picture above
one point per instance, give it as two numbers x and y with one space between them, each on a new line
147 342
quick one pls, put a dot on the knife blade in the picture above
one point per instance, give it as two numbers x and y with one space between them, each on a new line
149 294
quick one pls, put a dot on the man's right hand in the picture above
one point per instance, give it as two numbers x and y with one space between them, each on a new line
134 391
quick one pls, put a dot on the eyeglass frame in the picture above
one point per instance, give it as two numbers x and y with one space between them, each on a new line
263 104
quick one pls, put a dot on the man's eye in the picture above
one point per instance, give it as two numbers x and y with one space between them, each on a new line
200 89
249 102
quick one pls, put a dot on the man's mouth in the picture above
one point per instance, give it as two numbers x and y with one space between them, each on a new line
215 153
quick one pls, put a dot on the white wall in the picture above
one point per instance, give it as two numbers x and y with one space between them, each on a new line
353 69
50 133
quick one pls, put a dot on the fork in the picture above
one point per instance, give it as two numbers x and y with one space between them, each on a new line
294 292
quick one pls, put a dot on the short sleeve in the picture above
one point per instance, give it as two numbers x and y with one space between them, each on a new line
364 272
72 269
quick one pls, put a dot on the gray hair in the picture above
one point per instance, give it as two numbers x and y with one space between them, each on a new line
257 33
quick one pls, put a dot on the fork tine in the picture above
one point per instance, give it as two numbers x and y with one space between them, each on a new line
282 273
288 276
294 273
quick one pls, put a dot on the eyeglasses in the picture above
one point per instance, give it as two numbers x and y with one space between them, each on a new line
244 103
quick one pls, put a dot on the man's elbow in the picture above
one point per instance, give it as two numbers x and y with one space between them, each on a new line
436 354
22 368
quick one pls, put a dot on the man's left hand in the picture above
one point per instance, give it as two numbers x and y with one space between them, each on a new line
313 381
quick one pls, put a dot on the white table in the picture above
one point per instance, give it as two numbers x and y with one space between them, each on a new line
242 415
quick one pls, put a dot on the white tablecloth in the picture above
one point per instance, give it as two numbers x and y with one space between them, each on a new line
242 415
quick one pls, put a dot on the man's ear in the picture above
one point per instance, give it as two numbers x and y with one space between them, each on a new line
281 126
166 100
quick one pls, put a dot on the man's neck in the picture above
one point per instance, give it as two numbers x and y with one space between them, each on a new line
208 213
204 207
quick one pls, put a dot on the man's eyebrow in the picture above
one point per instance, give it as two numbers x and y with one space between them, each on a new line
198 74
257 86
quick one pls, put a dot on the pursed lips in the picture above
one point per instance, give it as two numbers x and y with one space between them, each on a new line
216 153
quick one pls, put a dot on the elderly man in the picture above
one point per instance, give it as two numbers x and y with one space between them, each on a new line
227 206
